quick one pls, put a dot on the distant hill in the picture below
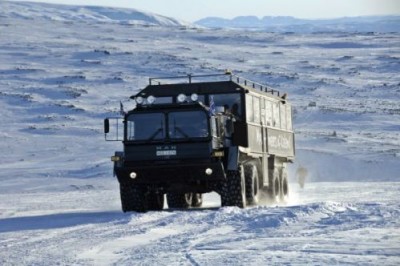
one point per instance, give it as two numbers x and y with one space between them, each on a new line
291 24
33 10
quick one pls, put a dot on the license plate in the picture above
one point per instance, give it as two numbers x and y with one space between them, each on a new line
166 153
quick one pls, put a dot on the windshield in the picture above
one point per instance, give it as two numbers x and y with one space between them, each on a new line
181 125
149 126
187 125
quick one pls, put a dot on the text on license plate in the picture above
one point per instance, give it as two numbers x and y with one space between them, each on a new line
166 153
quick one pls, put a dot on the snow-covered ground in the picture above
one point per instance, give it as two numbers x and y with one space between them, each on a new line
79 222
59 203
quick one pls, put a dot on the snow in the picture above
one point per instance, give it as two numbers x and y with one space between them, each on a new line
326 223
59 203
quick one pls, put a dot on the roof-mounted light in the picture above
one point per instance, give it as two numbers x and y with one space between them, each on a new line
151 99
181 98
194 97
139 100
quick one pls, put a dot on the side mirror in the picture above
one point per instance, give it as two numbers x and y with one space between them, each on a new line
106 126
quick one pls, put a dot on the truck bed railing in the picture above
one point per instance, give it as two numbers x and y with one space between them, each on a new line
225 76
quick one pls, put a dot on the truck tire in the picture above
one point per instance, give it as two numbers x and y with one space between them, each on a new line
284 186
252 183
179 200
234 189
197 200
133 197
155 201
275 186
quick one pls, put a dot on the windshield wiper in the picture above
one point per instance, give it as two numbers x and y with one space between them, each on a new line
155 134
181 131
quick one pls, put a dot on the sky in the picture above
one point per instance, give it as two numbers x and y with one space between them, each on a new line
193 10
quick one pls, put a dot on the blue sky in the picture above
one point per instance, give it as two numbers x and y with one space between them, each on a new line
192 10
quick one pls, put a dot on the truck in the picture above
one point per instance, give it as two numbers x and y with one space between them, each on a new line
199 134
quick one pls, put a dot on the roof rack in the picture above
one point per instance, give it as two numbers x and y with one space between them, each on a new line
228 74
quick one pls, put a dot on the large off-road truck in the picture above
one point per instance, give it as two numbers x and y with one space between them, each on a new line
220 133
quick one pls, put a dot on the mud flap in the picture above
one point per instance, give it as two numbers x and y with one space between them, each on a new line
233 158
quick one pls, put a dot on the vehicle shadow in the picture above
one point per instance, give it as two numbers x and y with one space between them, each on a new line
60 220
193 209
63 220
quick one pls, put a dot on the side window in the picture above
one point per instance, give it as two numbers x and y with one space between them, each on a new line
268 113
283 116
131 130
289 117
256 109
230 101
249 108
275 115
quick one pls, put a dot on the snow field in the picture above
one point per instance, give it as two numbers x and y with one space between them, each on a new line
82 224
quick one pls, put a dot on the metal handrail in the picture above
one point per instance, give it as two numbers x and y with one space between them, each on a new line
188 76
239 80
254 84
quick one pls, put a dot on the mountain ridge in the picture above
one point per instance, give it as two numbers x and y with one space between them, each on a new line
60 12
389 23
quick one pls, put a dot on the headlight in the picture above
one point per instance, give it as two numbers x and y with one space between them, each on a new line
151 99
194 97
209 171
133 175
181 98
139 100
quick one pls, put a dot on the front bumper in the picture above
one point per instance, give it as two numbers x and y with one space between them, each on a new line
171 173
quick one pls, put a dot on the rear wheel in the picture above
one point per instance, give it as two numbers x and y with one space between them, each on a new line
284 186
133 197
275 186
179 200
252 183
197 200
234 189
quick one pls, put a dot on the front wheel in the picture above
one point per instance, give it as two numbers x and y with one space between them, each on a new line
133 197
234 189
